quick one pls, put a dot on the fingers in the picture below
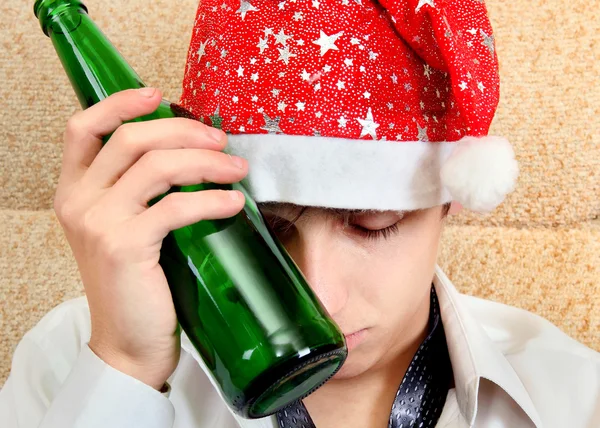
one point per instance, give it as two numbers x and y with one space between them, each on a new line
159 170
85 129
180 209
132 140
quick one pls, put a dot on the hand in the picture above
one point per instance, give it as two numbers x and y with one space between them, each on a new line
101 203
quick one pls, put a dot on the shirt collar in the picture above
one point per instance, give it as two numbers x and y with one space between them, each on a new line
474 355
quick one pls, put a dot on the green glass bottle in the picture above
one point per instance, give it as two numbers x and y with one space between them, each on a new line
263 334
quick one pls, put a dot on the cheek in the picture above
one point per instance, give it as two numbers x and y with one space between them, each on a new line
399 276
406 266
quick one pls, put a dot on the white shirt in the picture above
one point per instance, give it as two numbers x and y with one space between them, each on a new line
511 369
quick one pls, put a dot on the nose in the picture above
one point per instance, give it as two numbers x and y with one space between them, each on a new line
319 257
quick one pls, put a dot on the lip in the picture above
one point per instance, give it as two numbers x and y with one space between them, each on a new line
354 339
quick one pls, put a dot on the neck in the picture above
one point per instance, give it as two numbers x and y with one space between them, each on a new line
366 399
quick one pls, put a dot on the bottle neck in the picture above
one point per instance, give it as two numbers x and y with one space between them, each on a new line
94 66
47 11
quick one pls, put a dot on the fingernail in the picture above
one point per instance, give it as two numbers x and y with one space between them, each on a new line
148 92
235 195
239 162
215 133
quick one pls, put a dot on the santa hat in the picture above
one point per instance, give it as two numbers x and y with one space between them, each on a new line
357 104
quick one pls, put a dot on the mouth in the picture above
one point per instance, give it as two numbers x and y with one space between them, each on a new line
354 339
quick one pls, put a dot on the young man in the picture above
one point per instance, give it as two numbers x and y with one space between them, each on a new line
361 121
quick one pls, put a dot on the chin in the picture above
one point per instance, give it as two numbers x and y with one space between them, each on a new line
355 365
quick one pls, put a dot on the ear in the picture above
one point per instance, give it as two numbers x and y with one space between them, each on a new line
455 208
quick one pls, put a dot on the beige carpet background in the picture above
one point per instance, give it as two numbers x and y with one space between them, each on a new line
540 250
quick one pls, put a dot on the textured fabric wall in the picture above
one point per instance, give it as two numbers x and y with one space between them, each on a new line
540 250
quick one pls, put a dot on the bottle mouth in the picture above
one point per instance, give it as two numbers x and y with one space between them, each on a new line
292 386
44 10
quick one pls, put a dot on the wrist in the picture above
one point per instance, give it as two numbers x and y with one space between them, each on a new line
153 373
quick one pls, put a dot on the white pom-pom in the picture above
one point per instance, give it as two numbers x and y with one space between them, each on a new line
480 172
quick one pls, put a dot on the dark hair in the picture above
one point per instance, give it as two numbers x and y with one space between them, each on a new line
446 209
344 212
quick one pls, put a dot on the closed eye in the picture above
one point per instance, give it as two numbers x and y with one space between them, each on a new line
374 234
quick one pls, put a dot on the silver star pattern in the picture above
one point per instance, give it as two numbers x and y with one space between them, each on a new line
285 54
262 44
365 59
245 7
488 41
427 71
368 125
327 42
423 3
422 133
282 38
202 50
271 125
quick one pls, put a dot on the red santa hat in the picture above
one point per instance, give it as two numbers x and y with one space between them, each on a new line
358 104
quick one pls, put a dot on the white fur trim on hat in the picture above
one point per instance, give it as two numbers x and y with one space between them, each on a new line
363 174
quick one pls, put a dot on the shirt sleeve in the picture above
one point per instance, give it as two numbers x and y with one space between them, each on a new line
47 389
